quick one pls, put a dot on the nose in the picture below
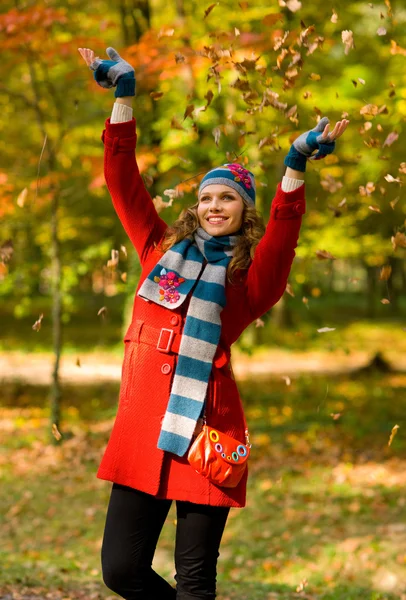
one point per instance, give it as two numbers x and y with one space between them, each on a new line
215 203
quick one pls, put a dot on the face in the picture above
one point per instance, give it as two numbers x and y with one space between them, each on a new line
220 210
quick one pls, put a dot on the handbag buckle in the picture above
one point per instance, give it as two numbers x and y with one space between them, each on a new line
170 338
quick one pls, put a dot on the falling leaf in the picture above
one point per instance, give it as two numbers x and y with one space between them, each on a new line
123 277
156 95
303 584
160 204
102 311
287 379
314 77
323 254
334 17
362 81
55 432
175 124
236 32
294 5
259 323
271 19
398 240
326 329
392 137
123 250
208 10
37 324
393 433
348 40
381 31
375 209
6 251
78 362
113 262
394 202
395 49
22 197
385 301
189 110
391 179
335 416
289 290
165 32
402 168
385 273
217 133
179 58
369 109
171 193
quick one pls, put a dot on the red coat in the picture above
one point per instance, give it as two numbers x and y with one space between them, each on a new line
131 457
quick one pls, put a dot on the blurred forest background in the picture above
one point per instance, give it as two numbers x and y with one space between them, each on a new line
322 374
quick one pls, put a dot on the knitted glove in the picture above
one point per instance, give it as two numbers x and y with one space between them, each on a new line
305 144
114 72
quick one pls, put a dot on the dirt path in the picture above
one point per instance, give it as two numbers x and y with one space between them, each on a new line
99 367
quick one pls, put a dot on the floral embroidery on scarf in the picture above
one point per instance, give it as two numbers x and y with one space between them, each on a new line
240 174
169 282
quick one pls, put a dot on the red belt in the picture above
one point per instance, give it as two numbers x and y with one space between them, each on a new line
166 340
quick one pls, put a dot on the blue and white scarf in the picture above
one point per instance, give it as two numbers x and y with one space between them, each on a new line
168 284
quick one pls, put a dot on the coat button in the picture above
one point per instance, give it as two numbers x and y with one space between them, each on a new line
166 368
298 207
174 320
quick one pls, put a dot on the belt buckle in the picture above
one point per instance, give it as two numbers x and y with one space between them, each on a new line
168 345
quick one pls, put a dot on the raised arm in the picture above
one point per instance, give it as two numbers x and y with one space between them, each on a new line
269 271
131 199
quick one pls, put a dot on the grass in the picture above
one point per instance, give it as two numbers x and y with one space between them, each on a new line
326 508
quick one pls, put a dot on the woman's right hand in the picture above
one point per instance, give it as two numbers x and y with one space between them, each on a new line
111 73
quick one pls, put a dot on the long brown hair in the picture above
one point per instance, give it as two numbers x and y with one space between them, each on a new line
252 230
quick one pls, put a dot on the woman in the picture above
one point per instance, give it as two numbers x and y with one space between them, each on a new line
203 281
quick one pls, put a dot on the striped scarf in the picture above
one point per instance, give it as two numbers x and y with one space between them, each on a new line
168 284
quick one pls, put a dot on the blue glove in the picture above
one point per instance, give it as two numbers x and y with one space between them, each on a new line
114 72
303 147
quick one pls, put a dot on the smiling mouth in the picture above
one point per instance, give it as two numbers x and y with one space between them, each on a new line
217 220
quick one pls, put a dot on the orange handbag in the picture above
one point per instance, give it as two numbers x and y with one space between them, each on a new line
219 457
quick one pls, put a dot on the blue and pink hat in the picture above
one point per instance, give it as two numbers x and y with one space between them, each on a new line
235 176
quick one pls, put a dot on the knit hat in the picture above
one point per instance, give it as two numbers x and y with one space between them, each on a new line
233 175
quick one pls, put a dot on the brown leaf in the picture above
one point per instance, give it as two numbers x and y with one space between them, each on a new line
348 40
402 168
113 262
289 290
271 19
37 324
334 17
209 97
385 301
323 255
392 137
259 323
393 433
189 110
102 311
398 240
217 134
179 58
55 432
391 179
6 251
314 77
326 329
78 362
165 32
123 277
369 109
156 95
385 273
123 250
22 197
208 10
375 209
175 124
395 49
160 204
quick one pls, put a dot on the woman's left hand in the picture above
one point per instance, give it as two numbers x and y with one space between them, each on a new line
319 138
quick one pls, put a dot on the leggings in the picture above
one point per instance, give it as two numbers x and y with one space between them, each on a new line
133 524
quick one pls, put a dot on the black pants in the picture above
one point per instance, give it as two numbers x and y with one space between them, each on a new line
133 524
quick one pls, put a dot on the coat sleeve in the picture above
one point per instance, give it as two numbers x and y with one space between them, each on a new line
269 271
131 199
